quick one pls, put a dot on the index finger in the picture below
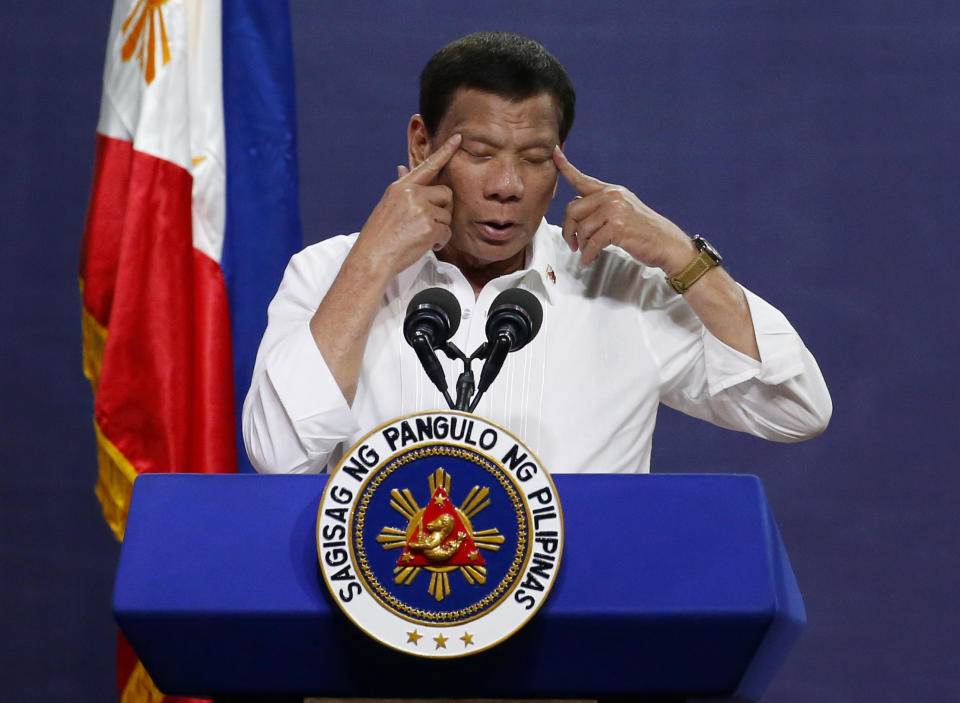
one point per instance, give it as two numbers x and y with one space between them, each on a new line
433 164
581 182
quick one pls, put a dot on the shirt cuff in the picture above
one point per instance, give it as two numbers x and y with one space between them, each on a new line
309 393
780 351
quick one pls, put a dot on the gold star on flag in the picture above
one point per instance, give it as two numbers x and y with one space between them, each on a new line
440 500
414 637
441 641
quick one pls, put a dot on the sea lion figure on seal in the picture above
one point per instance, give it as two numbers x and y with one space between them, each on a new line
432 543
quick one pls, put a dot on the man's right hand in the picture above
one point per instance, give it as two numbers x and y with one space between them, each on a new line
412 217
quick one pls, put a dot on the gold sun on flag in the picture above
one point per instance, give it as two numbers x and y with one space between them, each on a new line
142 30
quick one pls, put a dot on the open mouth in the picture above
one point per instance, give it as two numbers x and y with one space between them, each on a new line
497 229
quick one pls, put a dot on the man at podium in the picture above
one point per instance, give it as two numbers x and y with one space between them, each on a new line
635 311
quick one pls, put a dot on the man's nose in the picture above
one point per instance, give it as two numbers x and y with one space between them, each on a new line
504 182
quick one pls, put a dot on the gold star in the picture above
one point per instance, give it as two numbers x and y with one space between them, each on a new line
406 558
414 637
474 555
467 639
439 500
441 641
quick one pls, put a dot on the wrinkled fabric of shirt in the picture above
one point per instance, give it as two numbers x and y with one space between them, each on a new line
616 341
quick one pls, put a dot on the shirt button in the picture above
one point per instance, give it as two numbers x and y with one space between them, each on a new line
465 313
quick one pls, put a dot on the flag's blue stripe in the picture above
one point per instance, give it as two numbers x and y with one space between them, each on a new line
263 214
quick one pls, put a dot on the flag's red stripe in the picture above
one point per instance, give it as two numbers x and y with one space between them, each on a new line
103 230
165 397
215 448
126 661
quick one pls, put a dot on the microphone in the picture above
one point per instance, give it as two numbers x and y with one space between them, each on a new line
433 316
513 320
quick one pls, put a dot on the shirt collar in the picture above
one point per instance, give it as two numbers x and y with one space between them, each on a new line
538 272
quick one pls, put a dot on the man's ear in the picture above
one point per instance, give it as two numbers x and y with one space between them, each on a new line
418 141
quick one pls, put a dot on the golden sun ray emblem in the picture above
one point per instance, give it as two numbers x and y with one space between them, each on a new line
439 537
142 30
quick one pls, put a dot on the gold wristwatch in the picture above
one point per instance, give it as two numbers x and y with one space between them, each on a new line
705 260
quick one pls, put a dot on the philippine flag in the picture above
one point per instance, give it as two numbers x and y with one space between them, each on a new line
192 219
193 216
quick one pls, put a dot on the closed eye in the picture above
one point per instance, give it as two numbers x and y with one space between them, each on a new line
537 156
475 154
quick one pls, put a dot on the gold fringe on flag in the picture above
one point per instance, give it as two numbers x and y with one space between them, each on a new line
140 687
116 474
114 483
94 339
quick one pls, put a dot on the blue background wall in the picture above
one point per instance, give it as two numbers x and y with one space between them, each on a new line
813 142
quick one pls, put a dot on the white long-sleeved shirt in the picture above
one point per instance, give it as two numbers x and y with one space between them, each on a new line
615 342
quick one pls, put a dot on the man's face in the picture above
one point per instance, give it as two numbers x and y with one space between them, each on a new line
503 177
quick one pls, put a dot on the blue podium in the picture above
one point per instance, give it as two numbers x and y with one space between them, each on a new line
670 585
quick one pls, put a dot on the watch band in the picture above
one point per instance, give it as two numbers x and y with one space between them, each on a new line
706 259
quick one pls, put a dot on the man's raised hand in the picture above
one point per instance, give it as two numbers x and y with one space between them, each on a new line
412 217
603 214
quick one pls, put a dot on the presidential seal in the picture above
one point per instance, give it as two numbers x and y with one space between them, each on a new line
440 534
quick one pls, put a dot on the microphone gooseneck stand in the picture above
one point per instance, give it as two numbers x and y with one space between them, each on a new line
433 317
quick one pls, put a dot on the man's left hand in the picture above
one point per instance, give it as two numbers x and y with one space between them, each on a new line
605 214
